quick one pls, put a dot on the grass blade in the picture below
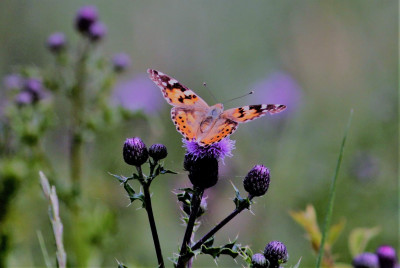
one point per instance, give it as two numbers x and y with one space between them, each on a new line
329 210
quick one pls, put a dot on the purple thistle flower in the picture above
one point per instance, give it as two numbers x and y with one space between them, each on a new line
85 17
256 182
137 94
366 260
56 42
97 31
158 151
217 150
276 253
23 98
135 151
34 87
13 81
278 88
387 256
258 261
121 62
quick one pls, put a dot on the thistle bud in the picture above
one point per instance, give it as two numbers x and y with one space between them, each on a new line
35 88
56 42
135 152
386 256
158 152
275 252
97 31
256 182
85 17
203 172
258 261
121 62
366 260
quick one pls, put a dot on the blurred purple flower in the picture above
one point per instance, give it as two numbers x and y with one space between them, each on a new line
56 42
217 150
137 94
387 256
13 81
34 87
23 98
121 62
85 17
97 31
278 88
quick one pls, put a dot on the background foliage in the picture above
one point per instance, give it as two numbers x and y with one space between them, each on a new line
330 56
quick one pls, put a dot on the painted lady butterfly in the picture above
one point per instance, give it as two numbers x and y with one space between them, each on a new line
197 121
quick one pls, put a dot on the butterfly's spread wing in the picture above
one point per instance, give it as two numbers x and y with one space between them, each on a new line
175 93
222 128
228 121
187 121
250 112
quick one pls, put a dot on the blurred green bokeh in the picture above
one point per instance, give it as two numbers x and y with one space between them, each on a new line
343 55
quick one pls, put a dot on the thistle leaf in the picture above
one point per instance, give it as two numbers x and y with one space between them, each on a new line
359 238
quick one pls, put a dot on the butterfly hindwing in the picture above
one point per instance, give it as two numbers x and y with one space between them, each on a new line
222 128
250 112
174 92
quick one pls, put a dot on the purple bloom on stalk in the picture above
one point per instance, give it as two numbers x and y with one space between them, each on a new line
13 81
34 87
23 98
135 151
217 150
56 42
387 256
276 253
97 31
258 261
121 62
137 94
366 260
85 17
278 88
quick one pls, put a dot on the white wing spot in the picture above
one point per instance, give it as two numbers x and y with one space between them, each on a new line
164 84
172 82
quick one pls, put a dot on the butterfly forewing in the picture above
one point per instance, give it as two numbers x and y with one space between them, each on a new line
174 92
251 112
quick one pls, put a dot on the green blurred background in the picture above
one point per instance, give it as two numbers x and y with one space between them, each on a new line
338 56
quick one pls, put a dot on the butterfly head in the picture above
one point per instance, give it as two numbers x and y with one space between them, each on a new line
216 110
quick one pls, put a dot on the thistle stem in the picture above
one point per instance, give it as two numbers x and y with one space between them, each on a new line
150 215
196 201
220 225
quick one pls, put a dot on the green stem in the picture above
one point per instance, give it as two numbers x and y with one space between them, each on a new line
195 204
328 216
220 225
77 113
150 215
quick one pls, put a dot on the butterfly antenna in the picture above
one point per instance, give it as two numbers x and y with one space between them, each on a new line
251 92
209 91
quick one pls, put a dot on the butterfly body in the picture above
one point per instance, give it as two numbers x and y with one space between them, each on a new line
198 121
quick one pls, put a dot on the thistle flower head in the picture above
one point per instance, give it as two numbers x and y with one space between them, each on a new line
366 260
275 252
158 151
13 81
56 42
85 17
121 62
387 256
34 87
97 31
203 172
217 150
256 182
23 98
258 261
135 151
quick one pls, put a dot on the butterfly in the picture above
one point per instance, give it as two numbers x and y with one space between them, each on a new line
196 120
